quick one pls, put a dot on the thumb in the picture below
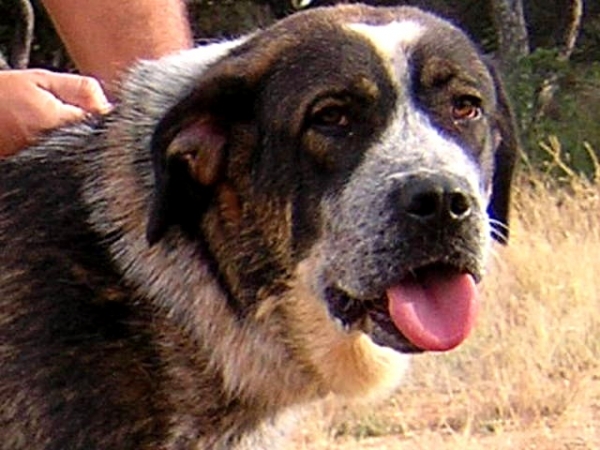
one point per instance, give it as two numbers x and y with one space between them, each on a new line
79 91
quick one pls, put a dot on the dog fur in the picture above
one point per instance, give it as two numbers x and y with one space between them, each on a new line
168 269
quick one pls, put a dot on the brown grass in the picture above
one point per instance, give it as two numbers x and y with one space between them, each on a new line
529 376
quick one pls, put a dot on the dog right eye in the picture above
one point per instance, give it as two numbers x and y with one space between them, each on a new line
331 114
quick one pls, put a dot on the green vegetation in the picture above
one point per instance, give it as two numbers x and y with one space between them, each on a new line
572 118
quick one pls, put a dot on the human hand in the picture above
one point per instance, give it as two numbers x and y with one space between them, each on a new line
35 100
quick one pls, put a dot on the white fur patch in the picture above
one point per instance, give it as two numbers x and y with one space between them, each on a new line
393 41
392 37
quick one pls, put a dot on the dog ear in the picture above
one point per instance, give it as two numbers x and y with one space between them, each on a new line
505 157
189 146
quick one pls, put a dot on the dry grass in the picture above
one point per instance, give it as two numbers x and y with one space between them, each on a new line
529 377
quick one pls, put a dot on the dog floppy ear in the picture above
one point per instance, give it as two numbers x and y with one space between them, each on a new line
505 157
189 147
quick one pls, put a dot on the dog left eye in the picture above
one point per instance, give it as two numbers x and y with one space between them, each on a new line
466 107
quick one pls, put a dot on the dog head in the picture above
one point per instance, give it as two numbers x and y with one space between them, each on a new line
372 145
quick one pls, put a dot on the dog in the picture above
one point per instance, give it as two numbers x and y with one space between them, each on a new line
259 223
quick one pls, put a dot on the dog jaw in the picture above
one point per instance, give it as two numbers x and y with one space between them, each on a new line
349 364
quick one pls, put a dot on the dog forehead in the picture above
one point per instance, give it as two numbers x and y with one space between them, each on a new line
392 37
408 39
386 29
394 42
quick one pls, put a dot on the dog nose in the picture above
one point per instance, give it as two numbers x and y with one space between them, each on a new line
434 198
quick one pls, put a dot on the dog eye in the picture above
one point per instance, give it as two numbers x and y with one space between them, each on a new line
466 107
331 113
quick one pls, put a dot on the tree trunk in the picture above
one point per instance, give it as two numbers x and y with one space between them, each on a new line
550 85
511 31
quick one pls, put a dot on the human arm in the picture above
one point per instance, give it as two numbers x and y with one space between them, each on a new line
104 37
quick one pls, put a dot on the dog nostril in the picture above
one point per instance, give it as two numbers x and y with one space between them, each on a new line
459 205
425 205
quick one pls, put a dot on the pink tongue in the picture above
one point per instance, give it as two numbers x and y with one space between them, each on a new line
435 313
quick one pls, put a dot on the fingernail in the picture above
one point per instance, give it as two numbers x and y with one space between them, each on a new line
106 107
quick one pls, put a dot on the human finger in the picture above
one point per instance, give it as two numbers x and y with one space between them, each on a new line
77 90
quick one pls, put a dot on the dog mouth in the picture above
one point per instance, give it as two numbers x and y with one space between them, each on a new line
432 308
